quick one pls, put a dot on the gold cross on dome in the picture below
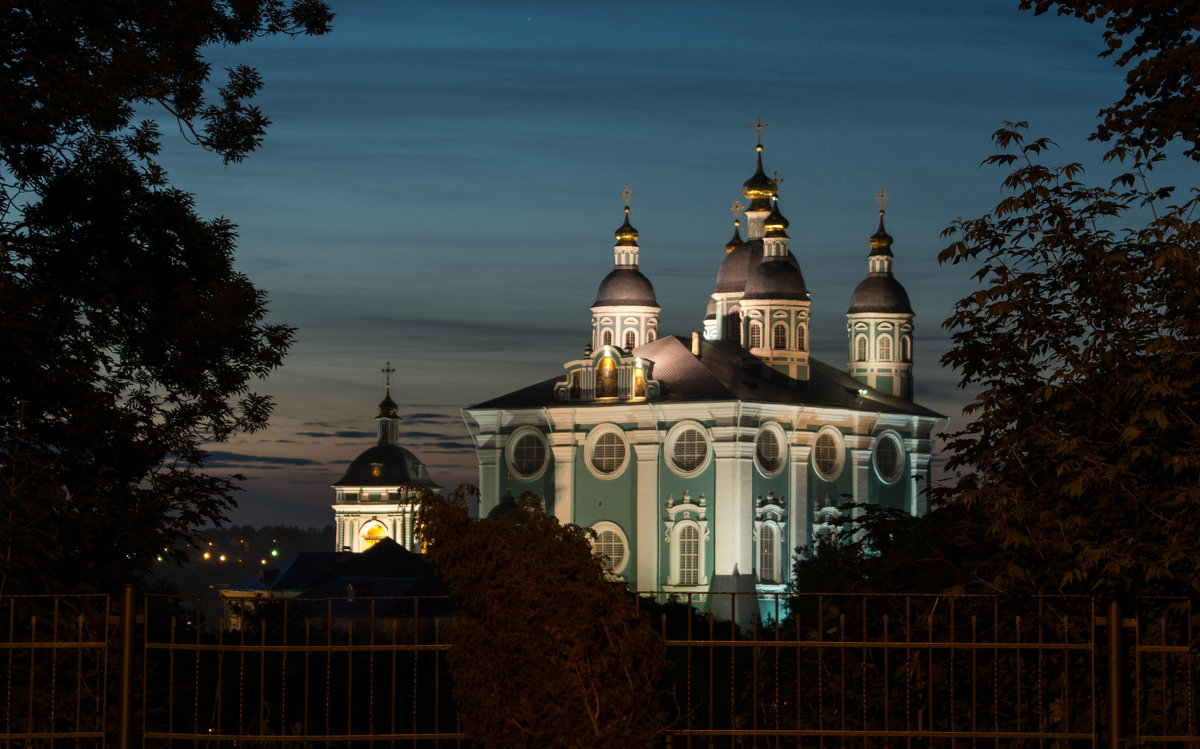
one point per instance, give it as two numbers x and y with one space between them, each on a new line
626 194
759 125
882 198
736 209
387 373
778 179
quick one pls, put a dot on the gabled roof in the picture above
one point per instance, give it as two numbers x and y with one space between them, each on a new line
725 371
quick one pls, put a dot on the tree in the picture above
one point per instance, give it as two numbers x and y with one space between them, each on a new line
1082 458
1158 41
129 338
546 651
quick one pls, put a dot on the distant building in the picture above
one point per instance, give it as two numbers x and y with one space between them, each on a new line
701 462
377 496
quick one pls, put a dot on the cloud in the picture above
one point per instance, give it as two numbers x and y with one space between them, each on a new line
354 434
221 459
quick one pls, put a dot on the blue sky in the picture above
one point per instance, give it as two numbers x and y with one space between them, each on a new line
441 183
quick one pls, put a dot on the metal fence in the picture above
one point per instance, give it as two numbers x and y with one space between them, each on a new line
810 670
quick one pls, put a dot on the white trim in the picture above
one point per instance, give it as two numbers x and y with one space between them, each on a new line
590 445
673 436
780 439
607 525
840 449
510 445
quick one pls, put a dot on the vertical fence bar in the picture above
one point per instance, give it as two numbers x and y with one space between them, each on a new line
125 696
1116 672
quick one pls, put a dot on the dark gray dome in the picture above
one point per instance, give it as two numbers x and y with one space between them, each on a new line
880 293
625 286
739 264
507 506
775 279
396 466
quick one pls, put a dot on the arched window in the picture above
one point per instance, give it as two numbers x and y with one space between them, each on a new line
768 555
884 346
755 335
800 338
650 336
779 336
689 555
639 382
606 378
630 340
860 348
733 326
373 534
905 349
606 339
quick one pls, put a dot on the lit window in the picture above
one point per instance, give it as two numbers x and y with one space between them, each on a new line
800 338
860 348
606 378
373 535
630 340
608 454
779 336
639 383
884 344
689 555
826 455
889 458
690 450
768 555
528 455
755 335
767 451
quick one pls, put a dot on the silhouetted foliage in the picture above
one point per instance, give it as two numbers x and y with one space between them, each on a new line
1158 43
129 339
547 651
1082 457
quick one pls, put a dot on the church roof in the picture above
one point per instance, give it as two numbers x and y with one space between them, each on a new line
625 286
724 372
396 465
880 293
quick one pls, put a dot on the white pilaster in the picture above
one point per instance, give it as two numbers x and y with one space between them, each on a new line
564 480
489 478
733 527
647 517
798 515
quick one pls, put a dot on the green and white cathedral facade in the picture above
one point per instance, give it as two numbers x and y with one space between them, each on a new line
703 462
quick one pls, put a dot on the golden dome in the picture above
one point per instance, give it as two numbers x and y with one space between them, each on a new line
760 188
626 235
775 225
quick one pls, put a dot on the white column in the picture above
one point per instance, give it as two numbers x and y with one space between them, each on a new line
564 479
489 479
797 509
732 526
648 524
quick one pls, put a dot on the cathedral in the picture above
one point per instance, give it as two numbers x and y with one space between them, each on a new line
703 461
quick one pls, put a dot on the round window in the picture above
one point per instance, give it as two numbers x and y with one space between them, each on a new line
889 458
827 454
608 453
610 542
687 449
769 450
527 454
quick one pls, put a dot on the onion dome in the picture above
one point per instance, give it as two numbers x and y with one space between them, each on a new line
735 240
507 506
626 235
775 279
881 241
760 188
625 286
388 408
879 291
386 465
775 224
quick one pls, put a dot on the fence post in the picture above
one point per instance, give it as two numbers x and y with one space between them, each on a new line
125 698
1116 675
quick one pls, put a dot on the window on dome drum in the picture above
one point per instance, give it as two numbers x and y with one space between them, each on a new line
767 451
768 555
733 326
373 535
905 349
779 336
630 340
528 455
608 453
825 456
606 378
606 338
689 555
800 342
860 348
650 336
755 335
609 544
690 450
884 346
889 458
